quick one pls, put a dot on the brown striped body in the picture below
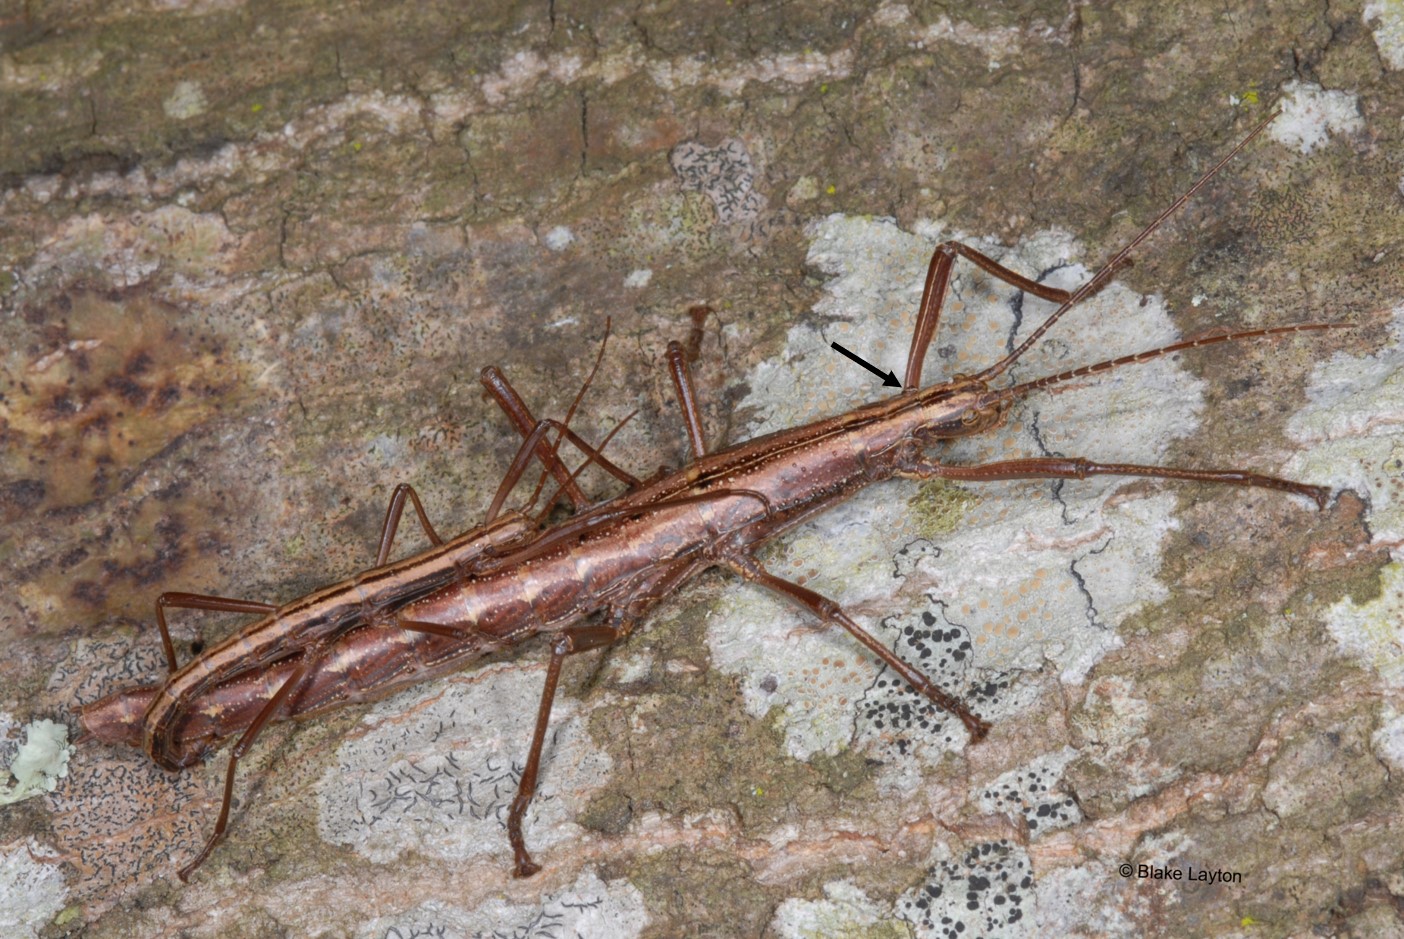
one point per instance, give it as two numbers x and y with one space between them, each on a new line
758 490
503 583
587 581
218 693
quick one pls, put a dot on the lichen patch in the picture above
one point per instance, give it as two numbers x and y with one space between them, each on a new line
31 892
1386 19
1311 115
987 891
1352 432
37 764
845 912
1038 572
1032 793
588 907
436 770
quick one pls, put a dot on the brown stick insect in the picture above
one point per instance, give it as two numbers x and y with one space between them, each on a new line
588 581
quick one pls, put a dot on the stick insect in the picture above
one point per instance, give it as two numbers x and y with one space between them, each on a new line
588 581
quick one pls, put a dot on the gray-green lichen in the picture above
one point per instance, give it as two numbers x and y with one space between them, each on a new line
38 763
1038 572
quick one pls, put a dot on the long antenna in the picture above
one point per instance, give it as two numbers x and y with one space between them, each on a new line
1014 392
1121 258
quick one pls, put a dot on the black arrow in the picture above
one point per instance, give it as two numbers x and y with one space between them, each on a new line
889 380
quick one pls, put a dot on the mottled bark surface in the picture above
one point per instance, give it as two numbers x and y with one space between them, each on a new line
252 258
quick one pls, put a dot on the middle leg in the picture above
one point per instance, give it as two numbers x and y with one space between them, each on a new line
572 640
830 612
516 410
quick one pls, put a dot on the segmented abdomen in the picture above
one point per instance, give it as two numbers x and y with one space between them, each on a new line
366 663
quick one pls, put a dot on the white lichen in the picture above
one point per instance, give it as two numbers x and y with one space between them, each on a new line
39 763
185 101
129 249
435 770
1386 19
1352 434
845 911
638 279
588 907
1311 114
1076 901
31 893
1040 572
517 76
987 891
1032 792
795 68
558 238
999 43
1388 740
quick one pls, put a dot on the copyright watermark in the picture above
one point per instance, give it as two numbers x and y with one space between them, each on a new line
1189 874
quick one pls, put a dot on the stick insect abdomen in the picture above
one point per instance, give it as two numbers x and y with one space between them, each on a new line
365 663
319 619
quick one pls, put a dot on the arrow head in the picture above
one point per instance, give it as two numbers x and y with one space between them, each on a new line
888 381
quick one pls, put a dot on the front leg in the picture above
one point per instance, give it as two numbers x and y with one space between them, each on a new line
933 297
916 465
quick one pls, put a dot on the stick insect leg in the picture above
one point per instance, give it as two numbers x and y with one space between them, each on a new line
199 601
830 612
933 296
581 639
392 521
512 404
1079 468
572 640
687 398
288 689
938 278
527 449
534 433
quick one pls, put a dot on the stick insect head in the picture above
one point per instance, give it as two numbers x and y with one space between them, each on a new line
961 407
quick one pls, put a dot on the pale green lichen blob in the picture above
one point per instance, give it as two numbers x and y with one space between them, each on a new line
41 762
